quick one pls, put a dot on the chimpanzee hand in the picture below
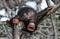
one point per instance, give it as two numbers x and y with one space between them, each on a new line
15 21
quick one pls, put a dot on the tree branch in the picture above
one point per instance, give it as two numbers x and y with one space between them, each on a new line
6 6
53 9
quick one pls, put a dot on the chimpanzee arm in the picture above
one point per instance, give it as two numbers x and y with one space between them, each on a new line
43 13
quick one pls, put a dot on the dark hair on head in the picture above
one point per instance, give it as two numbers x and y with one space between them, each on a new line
25 10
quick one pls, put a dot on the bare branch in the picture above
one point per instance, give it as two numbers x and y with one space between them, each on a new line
54 9
5 4
41 17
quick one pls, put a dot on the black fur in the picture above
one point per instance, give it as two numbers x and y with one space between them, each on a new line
26 21
36 17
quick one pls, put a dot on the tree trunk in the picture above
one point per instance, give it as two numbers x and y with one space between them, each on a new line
16 33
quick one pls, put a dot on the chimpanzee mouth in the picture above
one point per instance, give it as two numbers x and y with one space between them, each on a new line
31 28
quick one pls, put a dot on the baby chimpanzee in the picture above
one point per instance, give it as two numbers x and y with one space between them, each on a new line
29 17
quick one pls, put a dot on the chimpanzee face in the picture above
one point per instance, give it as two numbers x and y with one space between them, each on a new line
31 26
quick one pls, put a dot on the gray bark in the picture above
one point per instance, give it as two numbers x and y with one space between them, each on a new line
16 33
